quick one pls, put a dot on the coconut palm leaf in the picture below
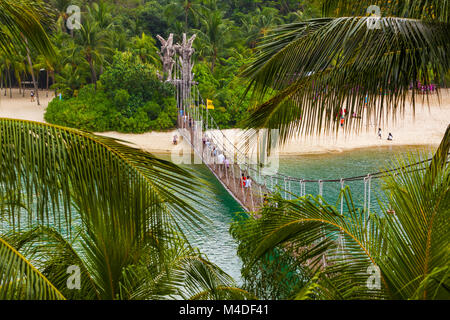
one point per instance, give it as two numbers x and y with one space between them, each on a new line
314 69
185 274
53 254
20 18
62 174
437 10
417 236
409 248
19 279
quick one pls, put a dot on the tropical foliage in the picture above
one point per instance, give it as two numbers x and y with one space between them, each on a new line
400 252
227 32
129 98
74 202
70 199
311 69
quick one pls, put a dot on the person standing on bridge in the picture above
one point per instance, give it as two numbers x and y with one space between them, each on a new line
248 182
226 162
220 159
243 180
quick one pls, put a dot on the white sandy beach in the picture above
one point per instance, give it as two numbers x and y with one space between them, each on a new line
425 129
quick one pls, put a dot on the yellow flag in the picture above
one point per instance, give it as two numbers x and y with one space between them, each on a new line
209 104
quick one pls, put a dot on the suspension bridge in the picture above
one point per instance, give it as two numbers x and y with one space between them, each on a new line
241 167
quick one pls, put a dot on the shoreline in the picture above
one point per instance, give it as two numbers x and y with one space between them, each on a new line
423 129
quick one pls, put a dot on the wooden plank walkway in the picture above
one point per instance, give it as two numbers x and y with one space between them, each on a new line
247 192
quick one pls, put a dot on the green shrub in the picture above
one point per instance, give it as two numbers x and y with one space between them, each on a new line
129 98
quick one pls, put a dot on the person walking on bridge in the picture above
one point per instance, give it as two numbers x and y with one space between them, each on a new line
248 182
243 180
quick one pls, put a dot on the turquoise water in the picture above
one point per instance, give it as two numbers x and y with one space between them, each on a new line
221 208
343 165
218 244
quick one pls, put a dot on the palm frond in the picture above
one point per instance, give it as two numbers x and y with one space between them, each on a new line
314 69
407 241
52 254
20 18
19 279
437 10
58 171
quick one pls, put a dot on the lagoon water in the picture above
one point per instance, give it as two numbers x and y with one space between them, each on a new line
221 208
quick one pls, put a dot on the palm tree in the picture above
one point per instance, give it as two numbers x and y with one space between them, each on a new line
403 248
344 60
93 45
115 213
174 9
21 24
145 47
258 24
213 34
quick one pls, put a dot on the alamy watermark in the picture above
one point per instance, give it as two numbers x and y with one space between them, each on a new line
373 282
74 279
373 21
74 19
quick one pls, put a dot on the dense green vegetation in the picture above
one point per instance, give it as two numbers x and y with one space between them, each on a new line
129 98
228 32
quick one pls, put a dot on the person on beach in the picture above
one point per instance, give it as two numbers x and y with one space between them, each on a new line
390 137
32 95
175 139
379 133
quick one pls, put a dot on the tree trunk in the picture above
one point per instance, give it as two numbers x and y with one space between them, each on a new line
213 62
10 84
30 63
6 82
35 85
46 72
93 73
